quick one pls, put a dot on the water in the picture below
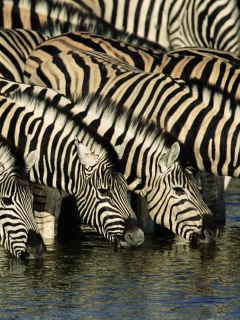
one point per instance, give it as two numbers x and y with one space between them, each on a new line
165 278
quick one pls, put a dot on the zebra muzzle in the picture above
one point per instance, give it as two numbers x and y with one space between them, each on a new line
35 247
209 232
133 235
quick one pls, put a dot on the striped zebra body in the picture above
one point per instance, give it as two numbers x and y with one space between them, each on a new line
214 67
19 233
53 18
176 23
15 47
149 158
74 159
170 104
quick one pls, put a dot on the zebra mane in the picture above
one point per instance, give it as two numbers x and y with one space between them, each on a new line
141 130
11 158
45 106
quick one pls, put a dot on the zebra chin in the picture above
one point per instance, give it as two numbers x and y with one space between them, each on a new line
209 232
35 247
133 235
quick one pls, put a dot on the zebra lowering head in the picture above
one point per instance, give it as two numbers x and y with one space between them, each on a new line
19 233
181 207
104 189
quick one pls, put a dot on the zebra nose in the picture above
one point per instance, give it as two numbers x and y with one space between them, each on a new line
35 247
209 231
133 235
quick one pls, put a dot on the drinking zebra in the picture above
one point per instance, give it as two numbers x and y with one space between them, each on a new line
168 102
74 159
215 67
19 233
153 162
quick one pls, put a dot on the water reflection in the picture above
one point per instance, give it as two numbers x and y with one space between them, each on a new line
165 278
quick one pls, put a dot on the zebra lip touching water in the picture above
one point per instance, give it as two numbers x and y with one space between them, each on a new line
133 235
35 247
209 231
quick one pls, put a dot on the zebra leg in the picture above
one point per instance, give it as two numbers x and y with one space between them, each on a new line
139 206
213 194
47 203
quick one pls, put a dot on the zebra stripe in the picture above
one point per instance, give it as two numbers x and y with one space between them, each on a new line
151 162
15 47
19 233
53 18
168 102
85 169
176 23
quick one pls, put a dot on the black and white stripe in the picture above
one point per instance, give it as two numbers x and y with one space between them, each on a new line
176 23
19 233
15 47
152 162
53 18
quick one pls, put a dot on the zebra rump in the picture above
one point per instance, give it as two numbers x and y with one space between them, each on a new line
19 233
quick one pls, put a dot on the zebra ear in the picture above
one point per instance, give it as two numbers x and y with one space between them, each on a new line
170 157
30 160
86 156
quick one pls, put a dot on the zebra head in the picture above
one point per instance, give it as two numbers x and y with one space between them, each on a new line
104 195
19 233
178 204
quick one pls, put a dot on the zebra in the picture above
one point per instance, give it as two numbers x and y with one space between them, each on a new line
19 233
177 23
73 158
184 109
217 67
15 47
52 18
154 165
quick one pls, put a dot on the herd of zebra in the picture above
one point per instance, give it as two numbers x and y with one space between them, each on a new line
102 97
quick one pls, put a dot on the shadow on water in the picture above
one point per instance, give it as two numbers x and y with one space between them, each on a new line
165 278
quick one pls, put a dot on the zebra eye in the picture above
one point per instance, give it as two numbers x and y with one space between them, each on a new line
179 191
7 201
105 192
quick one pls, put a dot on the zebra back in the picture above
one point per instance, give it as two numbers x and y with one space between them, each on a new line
176 23
194 113
72 158
54 18
215 67
15 47
152 164
19 233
